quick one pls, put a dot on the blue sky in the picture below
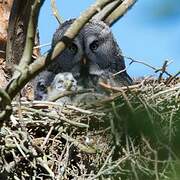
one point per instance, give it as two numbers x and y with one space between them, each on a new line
139 34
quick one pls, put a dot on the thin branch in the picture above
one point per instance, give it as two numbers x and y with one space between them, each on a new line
119 89
67 93
42 45
168 81
119 11
102 15
148 65
163 70
55 12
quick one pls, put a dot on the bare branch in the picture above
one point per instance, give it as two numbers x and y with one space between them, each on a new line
119 11
55 12
148 65
105 12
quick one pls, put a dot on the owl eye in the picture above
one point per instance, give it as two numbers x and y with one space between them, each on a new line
73 48
42 87
94 45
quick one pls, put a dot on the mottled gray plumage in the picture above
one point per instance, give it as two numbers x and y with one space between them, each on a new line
41 84
93 55
103 55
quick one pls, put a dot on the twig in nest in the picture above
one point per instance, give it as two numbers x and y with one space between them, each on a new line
64 119
168 81
68 93
82 147
163 70
55 12
44 164
119 89
47 137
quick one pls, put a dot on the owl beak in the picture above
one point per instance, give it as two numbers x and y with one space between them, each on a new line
84 61
68 84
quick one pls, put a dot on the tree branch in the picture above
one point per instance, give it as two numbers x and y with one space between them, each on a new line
119 11
105 12
55 12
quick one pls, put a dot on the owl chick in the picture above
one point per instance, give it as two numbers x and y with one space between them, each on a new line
62 82
41 84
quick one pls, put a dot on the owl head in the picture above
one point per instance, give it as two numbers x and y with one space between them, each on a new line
41 84
64 82
69 59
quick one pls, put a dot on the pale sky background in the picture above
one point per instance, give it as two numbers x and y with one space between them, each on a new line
143 33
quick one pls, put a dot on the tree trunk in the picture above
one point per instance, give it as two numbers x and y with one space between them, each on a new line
17 30
5 7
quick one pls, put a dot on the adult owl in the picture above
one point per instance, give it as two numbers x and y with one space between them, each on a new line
93 53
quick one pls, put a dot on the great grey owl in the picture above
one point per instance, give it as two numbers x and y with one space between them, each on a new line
94 54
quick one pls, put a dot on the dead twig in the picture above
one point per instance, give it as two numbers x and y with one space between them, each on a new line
171 78
119 11
162 71
148 65
120 89
55 12
63 119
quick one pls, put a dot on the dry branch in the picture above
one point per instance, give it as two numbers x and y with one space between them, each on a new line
55 12
119 11
106 11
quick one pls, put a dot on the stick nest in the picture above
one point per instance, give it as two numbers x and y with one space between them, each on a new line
131 134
